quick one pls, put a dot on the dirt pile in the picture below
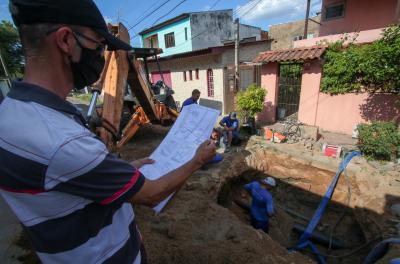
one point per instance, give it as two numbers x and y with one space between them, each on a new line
193 228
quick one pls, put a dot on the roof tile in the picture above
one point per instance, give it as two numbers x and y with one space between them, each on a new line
297 54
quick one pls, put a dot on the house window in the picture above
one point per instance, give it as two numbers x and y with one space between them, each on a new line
184 76
169 40
197 74
190 75
334 11
151 42
210 83
186 36
299 37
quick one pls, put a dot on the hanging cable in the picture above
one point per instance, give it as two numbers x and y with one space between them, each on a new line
146 16
215 3
169 12
251 8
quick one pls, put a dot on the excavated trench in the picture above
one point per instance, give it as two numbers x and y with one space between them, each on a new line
204 224
338 233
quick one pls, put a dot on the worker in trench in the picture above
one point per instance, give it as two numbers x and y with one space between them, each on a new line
262 206
72 196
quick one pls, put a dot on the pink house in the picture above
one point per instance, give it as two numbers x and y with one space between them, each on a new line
292 77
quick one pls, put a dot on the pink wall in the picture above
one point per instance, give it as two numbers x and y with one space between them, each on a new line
365 36
269 80
309 92
340 113
359 15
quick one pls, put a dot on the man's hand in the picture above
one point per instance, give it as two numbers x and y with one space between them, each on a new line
140 162
205 152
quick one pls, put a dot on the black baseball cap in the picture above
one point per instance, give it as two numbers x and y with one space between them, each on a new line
71 12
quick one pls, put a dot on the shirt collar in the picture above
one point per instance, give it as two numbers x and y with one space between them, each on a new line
32 93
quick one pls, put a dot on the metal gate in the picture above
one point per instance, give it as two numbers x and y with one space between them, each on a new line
289 90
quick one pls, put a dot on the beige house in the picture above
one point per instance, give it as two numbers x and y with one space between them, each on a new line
211 71
285 34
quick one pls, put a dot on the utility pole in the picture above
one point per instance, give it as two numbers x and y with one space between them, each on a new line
236 54
306 20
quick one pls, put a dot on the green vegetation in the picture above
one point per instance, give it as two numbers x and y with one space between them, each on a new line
379 140
364 68
11 49
251 101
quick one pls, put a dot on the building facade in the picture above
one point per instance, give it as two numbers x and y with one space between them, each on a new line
209 70
285 34
338 113
194 31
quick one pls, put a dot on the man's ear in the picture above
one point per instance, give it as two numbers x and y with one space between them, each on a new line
65 40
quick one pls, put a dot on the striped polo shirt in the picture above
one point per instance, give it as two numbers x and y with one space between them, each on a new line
70 194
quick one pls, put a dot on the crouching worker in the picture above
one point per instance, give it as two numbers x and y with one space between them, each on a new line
262 204
230 132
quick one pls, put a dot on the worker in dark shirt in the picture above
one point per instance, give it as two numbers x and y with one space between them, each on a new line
230 130
192 100
262 206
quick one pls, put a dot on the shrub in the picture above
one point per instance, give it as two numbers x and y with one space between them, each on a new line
358 68
379 140
251 101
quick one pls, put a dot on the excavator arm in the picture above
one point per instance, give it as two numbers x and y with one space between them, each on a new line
127 69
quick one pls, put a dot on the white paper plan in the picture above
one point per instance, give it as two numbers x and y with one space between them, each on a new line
193 126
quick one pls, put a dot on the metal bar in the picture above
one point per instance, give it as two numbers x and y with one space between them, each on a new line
92 105
159 68
146 68
315 21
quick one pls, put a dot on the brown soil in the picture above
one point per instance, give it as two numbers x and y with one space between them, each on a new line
194 228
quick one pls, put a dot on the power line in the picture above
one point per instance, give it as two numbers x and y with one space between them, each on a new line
145 16
169 12
251 8
145 12
235 12
215 3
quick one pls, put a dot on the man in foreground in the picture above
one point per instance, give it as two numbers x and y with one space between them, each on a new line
193 99
230 130
262 206
71 195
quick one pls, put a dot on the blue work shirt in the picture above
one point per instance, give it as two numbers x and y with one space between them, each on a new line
262 205
230 123
189 101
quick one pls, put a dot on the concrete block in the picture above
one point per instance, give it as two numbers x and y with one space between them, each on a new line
310 132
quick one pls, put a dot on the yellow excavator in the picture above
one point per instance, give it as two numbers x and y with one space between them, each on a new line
129 98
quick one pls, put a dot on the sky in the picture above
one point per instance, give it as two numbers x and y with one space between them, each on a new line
260 13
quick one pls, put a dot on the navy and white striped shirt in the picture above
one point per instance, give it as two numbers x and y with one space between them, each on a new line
70 194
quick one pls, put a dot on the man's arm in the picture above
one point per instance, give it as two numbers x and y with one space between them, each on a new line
93 173
154 191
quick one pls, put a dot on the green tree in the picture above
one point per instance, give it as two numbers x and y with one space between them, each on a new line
364 68
11 49
251 101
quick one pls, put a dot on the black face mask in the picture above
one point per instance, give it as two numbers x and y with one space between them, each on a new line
88 70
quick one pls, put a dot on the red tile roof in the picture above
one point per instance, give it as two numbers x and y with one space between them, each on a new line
297 54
